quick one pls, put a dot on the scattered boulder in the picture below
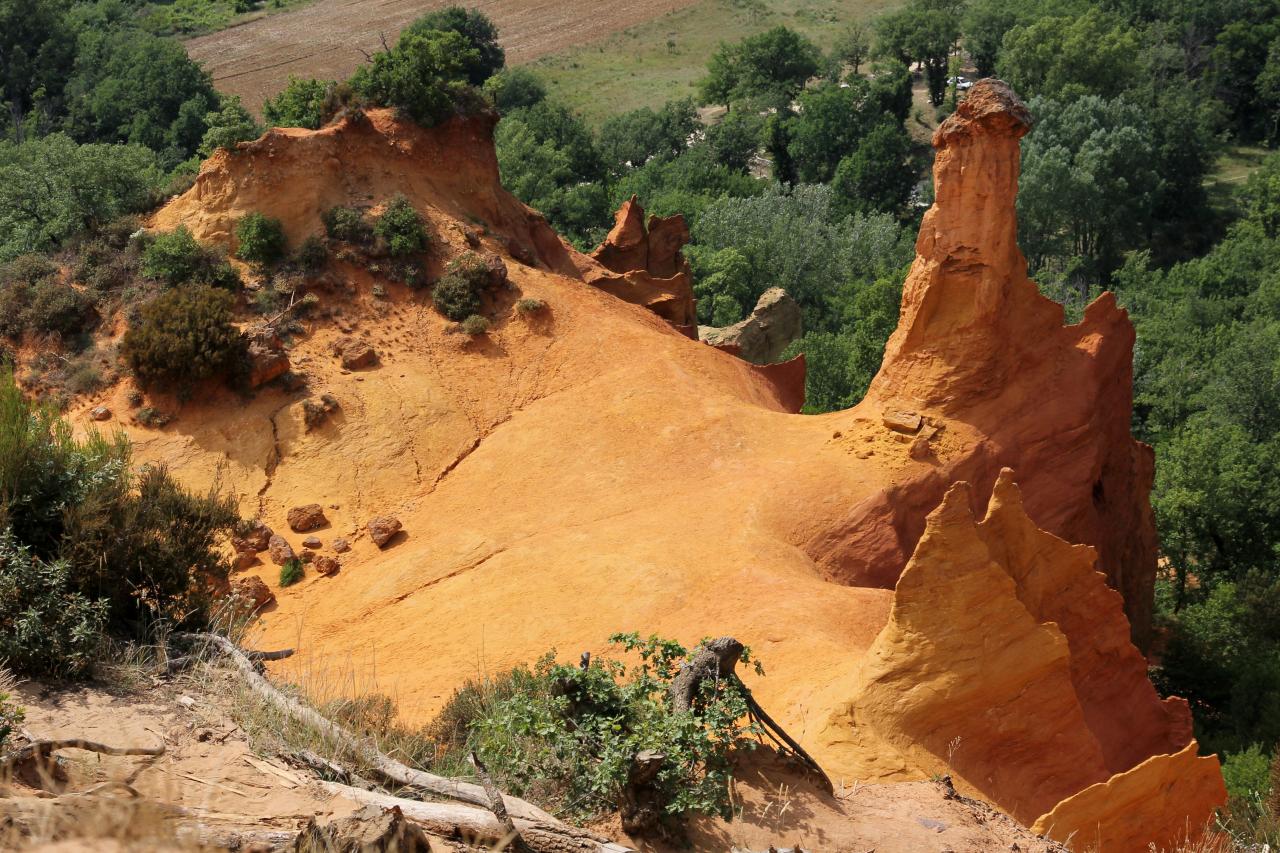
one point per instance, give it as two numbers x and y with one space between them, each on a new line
254 591
257 538
355 353
370 830
100 413
312 542
763 336
281 551
308 517
267 358
245 560
316 412
341 545
307 555
382 528
496 269
326 565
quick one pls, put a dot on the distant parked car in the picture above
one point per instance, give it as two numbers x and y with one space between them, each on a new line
961 83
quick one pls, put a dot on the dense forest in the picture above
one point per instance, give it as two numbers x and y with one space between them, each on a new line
800 169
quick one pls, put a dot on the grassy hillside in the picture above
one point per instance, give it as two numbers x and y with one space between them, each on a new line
652 63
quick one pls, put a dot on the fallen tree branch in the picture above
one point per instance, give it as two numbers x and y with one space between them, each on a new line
44 748
512 838
175 665
385 767
454 820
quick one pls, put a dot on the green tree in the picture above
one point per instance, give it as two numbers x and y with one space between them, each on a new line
926 31
736 138
632 139
1088 184
308 103
771 66
853 45
259 239
513 88
1069 57
228 125
52 189
486 57
830 125
877 177
985 24
424 75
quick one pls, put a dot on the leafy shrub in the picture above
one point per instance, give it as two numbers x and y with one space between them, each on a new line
176 258
312 255
479 31
45 627
424 75
306 103
475 325
33 297
137 544
185 336
514 88
347 224
291 572
259 239
11 713
456 296
227 126
530 306
566 736
401 227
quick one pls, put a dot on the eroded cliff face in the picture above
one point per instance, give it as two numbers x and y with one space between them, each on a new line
1006 662
590 469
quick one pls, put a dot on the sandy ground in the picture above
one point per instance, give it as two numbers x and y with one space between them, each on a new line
328 38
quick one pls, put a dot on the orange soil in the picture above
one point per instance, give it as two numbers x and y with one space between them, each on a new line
592 470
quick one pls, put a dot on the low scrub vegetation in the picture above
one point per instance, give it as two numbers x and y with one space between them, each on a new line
175 258
567 736
259 239
185 336
400 227
89 546
457 294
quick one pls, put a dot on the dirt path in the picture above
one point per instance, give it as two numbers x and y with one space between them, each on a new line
324 39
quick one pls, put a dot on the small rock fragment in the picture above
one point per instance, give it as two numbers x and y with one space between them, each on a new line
382 528
900 421
253 590
355 353
341 546
308 517
281 551
327 565
245 560
920 449
257 538
312 542
100 413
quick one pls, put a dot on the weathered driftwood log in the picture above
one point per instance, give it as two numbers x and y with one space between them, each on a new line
384 766
455 820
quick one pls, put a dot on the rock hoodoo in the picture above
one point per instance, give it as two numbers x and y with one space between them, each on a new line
648 268
597 465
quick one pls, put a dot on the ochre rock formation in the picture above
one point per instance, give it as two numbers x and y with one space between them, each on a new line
774 323
977 343
648 267
1002 637
590 469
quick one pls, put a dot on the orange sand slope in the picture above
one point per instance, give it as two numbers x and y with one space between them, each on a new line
594 470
